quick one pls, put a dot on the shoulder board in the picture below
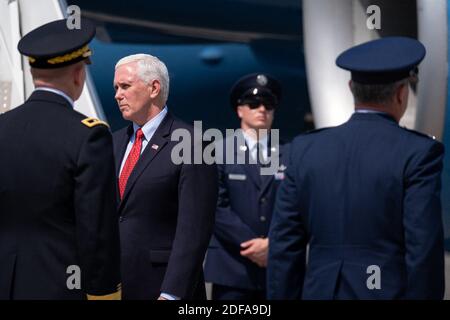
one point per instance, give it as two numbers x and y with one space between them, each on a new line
92 122
420 133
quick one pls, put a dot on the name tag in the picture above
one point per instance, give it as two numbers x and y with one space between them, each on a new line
240 177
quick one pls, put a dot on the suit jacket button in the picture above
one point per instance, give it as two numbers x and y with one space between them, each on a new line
262 218
263 200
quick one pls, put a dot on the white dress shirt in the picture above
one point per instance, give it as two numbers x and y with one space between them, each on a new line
252 145
362 110
148 130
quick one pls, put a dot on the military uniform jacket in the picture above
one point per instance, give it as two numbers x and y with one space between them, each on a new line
166 217
244 211
57 203
366 197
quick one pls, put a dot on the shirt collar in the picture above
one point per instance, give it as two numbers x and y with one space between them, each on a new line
58 92
364 110
251 142
150 127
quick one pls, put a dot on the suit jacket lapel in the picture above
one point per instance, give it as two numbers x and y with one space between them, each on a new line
160 139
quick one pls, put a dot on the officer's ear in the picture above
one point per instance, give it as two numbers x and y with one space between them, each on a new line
79 74
402 93
350 86
239 112
154 88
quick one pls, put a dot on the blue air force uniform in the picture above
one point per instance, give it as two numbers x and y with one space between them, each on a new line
59 235
244 212
245 203
365 196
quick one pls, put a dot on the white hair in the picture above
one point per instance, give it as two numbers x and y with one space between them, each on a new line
149 68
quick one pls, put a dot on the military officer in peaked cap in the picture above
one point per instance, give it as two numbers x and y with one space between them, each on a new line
364 195
237 256
58 224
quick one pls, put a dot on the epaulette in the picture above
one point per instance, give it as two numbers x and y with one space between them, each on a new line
92 122
420 133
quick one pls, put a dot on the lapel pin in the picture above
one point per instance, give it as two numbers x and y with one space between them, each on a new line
155 146
243 148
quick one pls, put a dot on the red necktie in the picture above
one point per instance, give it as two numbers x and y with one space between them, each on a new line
133 157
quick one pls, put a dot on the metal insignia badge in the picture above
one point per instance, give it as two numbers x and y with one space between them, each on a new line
261 79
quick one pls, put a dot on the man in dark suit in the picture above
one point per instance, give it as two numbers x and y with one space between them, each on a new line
237 256
59 236
166 206
364 195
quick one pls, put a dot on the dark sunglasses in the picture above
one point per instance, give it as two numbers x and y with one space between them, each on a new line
254 104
